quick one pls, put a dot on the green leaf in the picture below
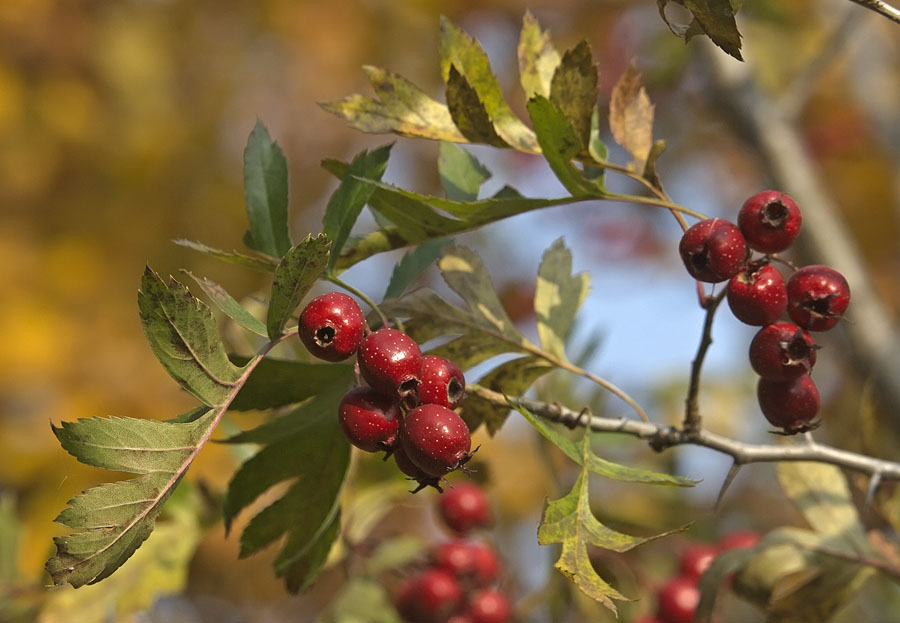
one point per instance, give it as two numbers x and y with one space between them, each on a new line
279 382
412 265
183 335
362 600
714 18
557 297
631 117
301 266
308 448
459 50
575 450
512 378
259 262
112 520
461 173
401 108
468 112
560 145
266 192
227 304
396 552
570 522
820 492
303 569
574 89
538 59
158 569
348 200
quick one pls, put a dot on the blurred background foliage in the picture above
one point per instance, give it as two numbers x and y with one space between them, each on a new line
122 127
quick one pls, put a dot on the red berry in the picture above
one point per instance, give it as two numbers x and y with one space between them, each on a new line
414 471
678 600
465 507
435 439
473 563
770 221
432 595
738 540
792 405
441 382
390 361
817 297
782 351
332 326
757 295
369 419
460 618
713 250
489 605
486 564
695 559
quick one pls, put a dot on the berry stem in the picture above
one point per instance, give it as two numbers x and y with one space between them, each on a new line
662 437
368 301
692 417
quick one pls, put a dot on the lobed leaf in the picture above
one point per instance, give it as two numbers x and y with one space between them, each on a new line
299 269
538 59
111 521
256 262
401 108
469 113
459 51
560 144
574 89
631 117
227 304
183 335
279 382
348 200
557 297
266 191
412 265
461 173
570 522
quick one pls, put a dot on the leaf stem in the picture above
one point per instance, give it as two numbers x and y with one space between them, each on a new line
692 417
368 301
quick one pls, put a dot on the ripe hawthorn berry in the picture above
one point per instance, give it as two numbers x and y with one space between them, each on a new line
441 382
678 600
769 221
713 250
489 605
695 559
369 420
414 471
435 439
432 595
738 540
757 295
791 405
390 362
782 351
332 326
465 507
473 563
817 297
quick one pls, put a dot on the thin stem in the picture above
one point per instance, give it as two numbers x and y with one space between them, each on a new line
662 437
881 8
356 292
692 417
662 203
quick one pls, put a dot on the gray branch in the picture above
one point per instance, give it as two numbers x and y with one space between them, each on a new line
881 8
662 437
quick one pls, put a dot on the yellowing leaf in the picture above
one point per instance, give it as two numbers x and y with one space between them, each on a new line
557 297
538 58
631 117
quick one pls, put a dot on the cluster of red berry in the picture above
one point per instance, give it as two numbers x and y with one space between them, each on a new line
815 297
458 584
677 599
406 409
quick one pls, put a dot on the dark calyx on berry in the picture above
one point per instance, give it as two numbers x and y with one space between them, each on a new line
770 221
435 439
441 382
713 250
414 472
782 351
817 297
332 326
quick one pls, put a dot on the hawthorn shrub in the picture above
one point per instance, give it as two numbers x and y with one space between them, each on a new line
375 388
